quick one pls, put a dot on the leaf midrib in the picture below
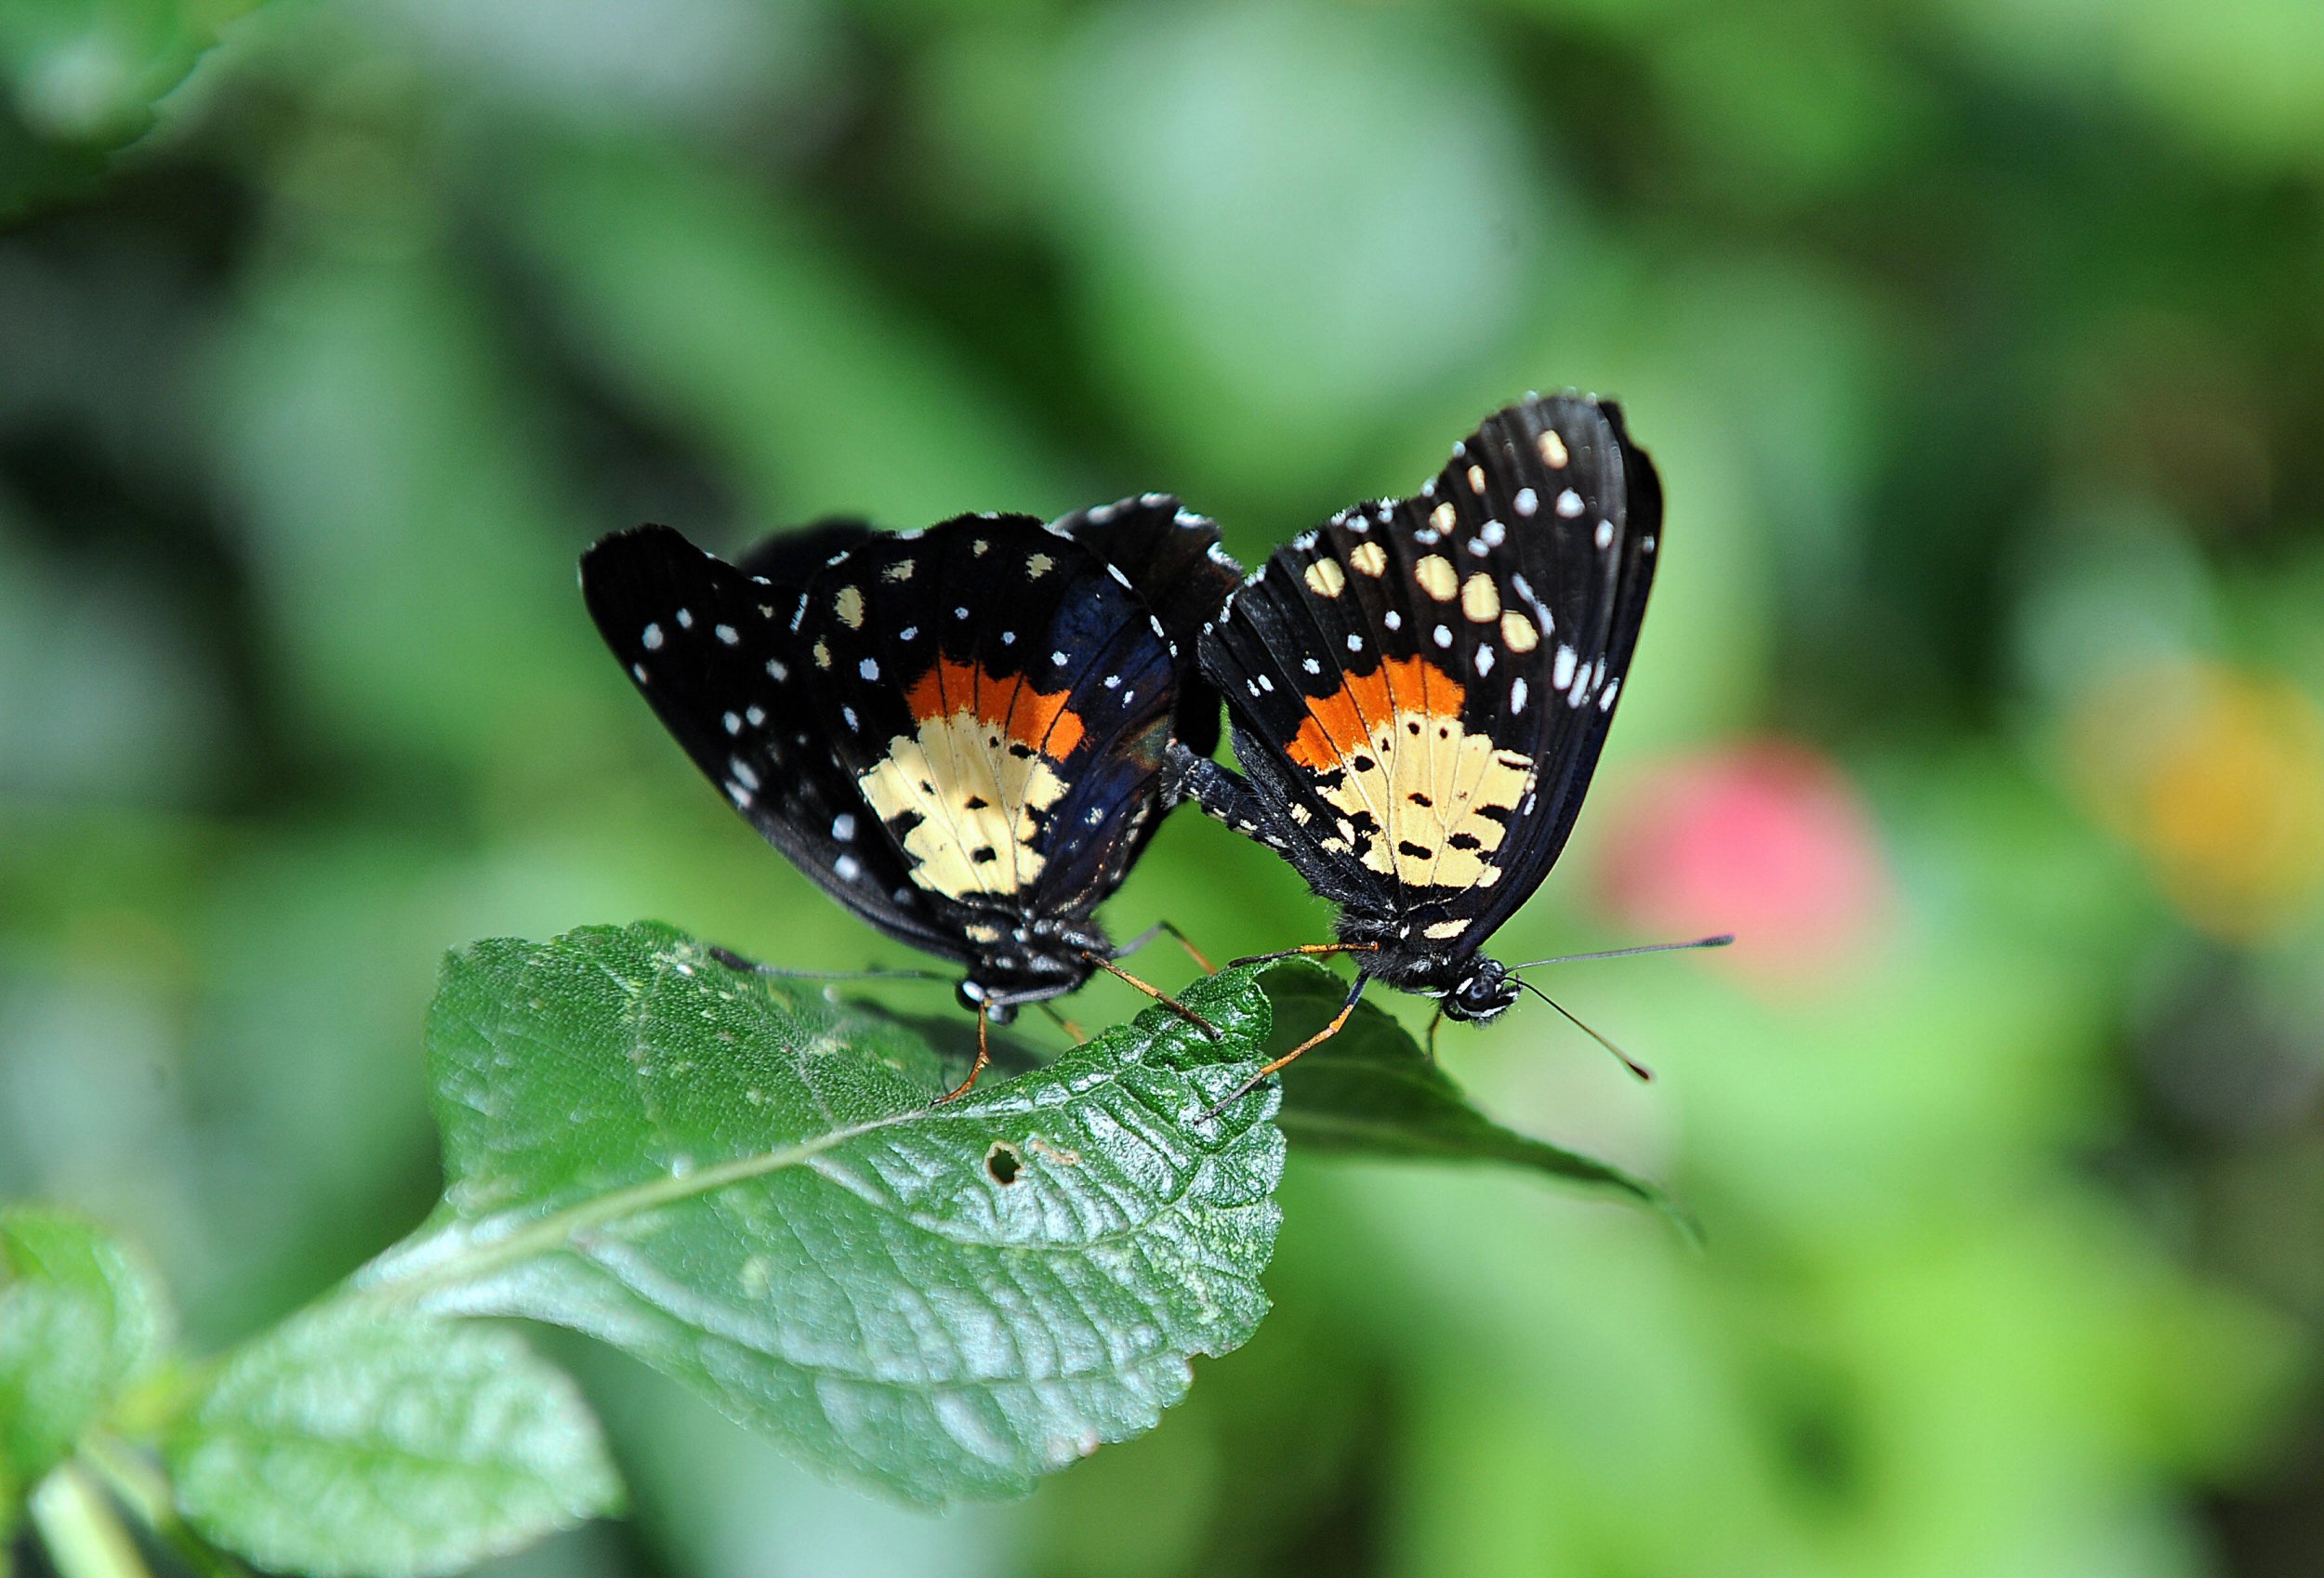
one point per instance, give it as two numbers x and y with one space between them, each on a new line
465 1259
469 1254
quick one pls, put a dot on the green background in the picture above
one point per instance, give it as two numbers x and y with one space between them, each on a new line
1977 341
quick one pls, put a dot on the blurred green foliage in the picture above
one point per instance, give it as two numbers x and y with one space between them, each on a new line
1981 348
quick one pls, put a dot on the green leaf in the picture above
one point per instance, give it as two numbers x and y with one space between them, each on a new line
79 1312
1371 1090
363 1438
79 79
749 1188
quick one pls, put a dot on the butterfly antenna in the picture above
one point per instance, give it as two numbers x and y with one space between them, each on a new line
1633 1064
1722 940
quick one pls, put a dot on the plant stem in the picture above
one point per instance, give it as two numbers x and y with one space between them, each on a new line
141 1488
79 1530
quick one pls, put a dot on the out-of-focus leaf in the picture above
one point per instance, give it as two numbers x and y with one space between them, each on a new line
364 1438
80 77
410 549
750 1189
1291 220
79 1312
1370 1090
718 310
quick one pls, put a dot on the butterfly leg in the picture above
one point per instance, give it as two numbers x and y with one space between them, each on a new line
1065 1024
1434 1019
1110 967
983 1056
1303 950
1192 952
1355 993
1157 930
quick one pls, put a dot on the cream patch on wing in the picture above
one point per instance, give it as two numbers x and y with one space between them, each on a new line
1424 800
974 779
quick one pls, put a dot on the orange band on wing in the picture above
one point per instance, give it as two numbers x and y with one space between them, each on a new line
1026 715
1335 724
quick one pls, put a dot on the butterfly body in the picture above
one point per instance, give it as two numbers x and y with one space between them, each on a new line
1419 689
960 734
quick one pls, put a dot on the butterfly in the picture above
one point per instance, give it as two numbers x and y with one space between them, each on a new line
1419 690
959 732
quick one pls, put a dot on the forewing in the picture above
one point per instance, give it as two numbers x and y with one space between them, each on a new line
1422 686
1173 560
1003 701
710 648
791 558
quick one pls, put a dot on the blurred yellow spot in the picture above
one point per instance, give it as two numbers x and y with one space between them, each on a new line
2217 778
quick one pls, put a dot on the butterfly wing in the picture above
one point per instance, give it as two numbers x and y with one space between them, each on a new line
1172 557
710 648
1002 700
791 558
1420 688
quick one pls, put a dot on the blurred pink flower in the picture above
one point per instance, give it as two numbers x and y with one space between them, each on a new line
1769 840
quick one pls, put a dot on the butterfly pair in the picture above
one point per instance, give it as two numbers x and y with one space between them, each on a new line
967 734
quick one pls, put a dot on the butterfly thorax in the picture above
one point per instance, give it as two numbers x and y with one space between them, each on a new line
1029 959
1468 984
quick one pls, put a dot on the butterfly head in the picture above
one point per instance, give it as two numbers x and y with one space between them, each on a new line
1484 991
1036 959
1467 983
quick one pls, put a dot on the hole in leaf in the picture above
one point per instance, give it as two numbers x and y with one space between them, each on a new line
1004 1161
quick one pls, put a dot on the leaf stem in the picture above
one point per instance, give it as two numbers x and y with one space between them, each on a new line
145 1492
80 1530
